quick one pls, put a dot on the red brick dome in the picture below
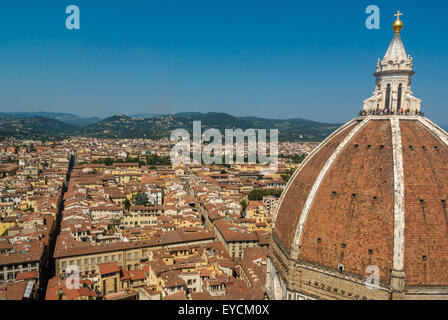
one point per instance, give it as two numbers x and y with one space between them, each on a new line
373 193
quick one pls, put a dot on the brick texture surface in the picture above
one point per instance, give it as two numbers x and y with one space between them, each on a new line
292 204
351 221
425 163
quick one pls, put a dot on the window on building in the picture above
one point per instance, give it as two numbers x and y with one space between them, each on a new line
400 88
388 96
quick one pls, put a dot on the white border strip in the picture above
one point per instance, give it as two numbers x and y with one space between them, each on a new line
320 178
303 164
435 129
399 216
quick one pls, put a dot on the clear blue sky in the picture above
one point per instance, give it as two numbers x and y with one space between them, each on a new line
277 59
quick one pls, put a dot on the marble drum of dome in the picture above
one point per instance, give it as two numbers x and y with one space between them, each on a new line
372 196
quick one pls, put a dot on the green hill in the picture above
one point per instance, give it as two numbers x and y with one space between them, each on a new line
36 128
19 126
161 127
63 117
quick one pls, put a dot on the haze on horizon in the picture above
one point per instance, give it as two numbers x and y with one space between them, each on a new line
272 59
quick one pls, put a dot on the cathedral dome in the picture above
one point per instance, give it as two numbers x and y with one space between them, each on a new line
372 197
373 193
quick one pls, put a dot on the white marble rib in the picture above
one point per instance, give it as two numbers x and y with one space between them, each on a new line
399 219
435 129
310 156
309 201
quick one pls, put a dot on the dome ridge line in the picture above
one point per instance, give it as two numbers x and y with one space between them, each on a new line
307 159
399 203
315 188
438 132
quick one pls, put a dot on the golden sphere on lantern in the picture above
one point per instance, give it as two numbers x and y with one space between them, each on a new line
398 24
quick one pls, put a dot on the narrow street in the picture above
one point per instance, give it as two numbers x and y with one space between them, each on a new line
48 272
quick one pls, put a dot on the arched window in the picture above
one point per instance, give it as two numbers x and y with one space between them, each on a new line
388 97
400 87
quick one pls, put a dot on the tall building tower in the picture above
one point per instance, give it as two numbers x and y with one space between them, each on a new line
365 216
393 79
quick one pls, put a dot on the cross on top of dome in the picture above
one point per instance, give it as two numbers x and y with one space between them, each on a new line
396 57
398 24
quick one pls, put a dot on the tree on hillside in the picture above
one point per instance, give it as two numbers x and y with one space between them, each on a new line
243 204
258 194
154 160
127 204
141 199
45 164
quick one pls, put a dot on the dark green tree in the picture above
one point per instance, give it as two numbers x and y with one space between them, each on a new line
257 194
127 204
243 204
141 199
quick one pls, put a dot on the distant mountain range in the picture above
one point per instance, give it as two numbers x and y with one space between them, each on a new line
63 117
146 115
161 126
45 125
35 128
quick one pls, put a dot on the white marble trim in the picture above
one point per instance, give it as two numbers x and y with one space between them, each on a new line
308 158
399 215
309 201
